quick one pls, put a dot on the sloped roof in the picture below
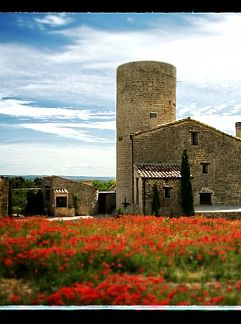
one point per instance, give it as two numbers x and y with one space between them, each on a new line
180 121
160 171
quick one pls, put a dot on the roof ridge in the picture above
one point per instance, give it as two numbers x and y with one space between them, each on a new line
182 121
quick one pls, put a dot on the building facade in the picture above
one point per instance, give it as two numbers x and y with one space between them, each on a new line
154 151
63 197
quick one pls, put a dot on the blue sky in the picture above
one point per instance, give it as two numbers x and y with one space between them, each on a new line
58 74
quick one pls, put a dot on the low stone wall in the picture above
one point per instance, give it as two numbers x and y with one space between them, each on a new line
64 212
226 215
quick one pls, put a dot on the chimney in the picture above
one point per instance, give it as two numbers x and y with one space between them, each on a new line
238 129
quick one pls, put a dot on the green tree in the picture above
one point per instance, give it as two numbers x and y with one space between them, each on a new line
103 185
155 200
35 204
38 182
186 186
17 182
21 182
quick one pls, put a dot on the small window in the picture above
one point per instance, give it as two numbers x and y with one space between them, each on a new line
205 168
205 199
194 138
61 201
153 114
167 192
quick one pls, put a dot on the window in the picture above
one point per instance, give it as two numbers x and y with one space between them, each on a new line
167 192
137 191
153 114
205 199
61 201
205 168
194 138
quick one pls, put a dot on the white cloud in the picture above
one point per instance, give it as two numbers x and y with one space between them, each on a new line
225 123
72 131
54 20
57 160
33 73
21 108
207 57
205 51
80 131
221 116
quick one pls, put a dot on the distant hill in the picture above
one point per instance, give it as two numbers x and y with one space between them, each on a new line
32 177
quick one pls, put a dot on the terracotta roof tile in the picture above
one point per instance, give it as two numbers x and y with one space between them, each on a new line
161 171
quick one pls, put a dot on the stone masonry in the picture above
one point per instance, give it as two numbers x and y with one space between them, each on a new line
4 189
85 195
146 96
221 153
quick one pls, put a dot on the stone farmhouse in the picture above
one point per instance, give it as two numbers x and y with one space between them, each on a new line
64 197
150 142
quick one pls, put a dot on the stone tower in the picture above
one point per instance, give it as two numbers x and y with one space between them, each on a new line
146 96
4 188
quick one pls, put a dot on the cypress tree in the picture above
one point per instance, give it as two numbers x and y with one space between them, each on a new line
155 200
186 186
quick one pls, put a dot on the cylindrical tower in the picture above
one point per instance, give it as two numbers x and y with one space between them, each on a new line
146 96
238 129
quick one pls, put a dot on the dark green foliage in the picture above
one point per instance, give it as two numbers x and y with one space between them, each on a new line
186 186
35 203
103 185
155 201
22 199
17 182
75 200
9 202
38 182
20 182
18 201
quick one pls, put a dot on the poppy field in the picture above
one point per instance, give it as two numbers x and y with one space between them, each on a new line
132 260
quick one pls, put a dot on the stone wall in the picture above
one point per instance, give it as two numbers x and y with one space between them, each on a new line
87 195
4 190
227 215
143 203
63 212
172 204
142 88
221 152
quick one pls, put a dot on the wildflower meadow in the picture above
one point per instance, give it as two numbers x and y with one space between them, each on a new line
133 260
